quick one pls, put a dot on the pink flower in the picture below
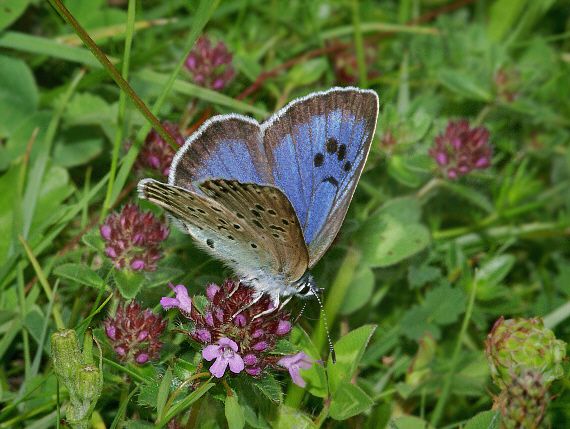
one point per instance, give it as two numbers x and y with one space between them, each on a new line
461 149
135 333
210 66
182 301
132 238
294 363
156 154
225 354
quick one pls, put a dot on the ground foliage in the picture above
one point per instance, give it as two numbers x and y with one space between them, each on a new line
422 268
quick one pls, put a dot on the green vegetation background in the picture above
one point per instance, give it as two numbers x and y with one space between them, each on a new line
432 262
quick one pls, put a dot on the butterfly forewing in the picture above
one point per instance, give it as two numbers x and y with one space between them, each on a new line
224 223
317 147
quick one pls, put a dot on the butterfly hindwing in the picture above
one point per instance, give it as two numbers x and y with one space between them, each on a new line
225 147
226 227
317 147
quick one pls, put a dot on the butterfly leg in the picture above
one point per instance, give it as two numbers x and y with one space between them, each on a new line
256 298
236 287
275 301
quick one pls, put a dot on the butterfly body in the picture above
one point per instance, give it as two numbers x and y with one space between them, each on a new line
268 199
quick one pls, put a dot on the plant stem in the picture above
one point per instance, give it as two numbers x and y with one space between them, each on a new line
121 111
123 84
442 400
359 44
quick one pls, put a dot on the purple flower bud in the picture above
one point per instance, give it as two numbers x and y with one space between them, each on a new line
105 231
142 358
120 351
240 320
261 346
204 335
209 318
283 327
142 335
250 359
156 154
111 332
253 371
210 66
258 333
211 291
137 264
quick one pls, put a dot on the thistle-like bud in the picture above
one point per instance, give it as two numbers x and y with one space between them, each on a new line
515 346
65 353
523 403
89 383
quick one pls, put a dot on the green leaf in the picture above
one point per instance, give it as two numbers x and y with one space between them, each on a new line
349 350
234 413
484 420
11 11
442 306
361 285
181 406
290 418
468 193
409 422
465 85
493 271
163 392
399 169
77 153
81 274
269 387
128 282
393 234
420 275
307 72
8 193
349 400
18 94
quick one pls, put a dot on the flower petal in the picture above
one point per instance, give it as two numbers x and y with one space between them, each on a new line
182 296
228 343
219 367
296 377
211 352
168 303
236 364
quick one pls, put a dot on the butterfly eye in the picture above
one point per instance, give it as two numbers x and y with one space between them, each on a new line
305 289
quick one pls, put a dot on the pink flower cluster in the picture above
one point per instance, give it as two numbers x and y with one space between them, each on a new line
132 238
232 335
210 66
135 333
156 154
461 149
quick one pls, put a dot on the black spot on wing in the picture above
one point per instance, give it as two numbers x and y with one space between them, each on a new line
331 180
341 152
318 159
210 243
332 145
347 166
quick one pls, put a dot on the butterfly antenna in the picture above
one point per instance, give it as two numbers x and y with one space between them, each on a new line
324 316
300 312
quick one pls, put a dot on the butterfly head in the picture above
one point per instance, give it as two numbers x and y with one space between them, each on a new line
305 287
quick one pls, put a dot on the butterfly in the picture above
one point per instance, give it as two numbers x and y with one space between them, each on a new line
268 199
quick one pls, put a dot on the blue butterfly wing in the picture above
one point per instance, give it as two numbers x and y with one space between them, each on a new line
317 147
226 147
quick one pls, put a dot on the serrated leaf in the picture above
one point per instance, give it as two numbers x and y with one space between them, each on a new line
484 420
128 282
442 306
234 413
269 387
80 274
349 400
349 350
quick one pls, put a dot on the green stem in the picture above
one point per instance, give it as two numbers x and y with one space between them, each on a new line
555 317
123 84
359 44
428 187
122 107
442 400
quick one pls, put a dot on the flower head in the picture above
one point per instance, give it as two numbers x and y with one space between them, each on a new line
156 154
132 238
210 66
518 345
232 328
135 333
461 149
225 352
294 363
182 301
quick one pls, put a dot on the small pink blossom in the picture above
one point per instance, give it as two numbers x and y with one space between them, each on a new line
293 364
181 301
225 353
210 66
